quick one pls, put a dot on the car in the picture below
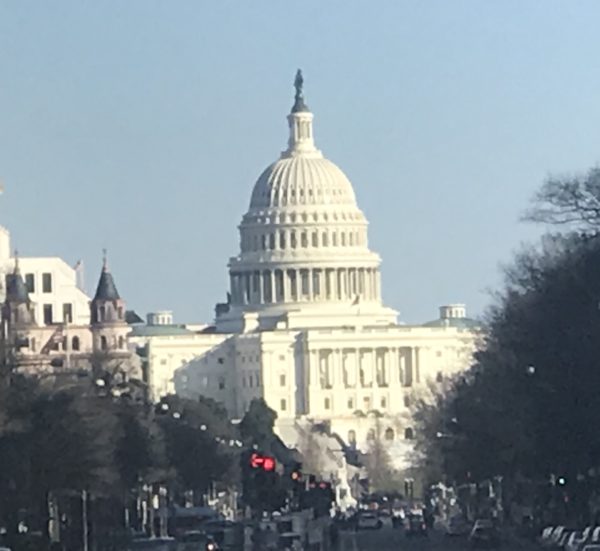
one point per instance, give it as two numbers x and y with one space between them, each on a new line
416 525
368 520
484 536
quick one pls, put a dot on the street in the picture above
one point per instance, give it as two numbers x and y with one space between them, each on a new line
388 539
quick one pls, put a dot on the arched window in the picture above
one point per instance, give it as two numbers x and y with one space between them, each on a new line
409 434
325 240
351 437
282 240
304 240
121 342
334 239
103 343
389 434
271 241
263 244
315 239
293 240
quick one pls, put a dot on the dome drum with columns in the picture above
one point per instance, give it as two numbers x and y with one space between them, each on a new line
303 241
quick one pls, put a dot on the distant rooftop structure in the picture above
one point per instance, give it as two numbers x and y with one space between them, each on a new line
453 315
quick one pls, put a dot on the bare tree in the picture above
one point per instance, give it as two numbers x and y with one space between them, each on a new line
571 202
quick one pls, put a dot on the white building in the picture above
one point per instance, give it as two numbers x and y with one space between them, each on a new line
304 326
55 288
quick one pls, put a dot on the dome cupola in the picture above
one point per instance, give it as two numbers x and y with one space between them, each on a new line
303 240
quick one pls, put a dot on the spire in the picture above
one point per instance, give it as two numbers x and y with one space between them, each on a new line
300 123
106 290
299 105
16 290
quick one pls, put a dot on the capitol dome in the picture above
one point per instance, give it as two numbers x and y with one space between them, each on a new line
303 240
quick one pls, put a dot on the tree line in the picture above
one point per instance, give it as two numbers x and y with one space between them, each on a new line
527 408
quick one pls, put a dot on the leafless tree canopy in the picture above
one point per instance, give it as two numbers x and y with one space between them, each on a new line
573 202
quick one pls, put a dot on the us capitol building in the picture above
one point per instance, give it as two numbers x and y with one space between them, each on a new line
304 325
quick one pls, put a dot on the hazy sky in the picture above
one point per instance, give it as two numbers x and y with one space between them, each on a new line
141 126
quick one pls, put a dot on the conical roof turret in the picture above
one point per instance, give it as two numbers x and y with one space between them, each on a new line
16 290
106 290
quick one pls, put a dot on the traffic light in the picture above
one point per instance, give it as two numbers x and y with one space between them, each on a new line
264 462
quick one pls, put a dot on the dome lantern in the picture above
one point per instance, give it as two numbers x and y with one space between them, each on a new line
300 122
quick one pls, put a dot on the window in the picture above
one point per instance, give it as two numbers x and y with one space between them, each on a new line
350 403
104 343
75 343
367 402
221 361
163 362
315 239
47 283
221 383
327 403
244 381
409 434
351 437
101 313
383 402
282 405
389 434
407 401
65 343
67 313
439 353
282 379
439 378
48 314
120 312
30 283
371 434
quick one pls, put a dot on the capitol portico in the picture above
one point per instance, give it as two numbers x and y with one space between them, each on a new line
304 326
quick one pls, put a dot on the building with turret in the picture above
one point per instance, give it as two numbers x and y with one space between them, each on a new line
42 344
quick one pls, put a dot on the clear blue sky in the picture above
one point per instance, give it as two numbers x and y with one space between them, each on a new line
142 125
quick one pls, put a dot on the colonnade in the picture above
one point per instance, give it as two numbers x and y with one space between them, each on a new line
365 367
304 285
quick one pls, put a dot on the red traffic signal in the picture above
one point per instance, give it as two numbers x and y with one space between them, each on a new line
269 463
265 462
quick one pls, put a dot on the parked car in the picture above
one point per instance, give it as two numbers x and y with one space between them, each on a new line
579 539
368 520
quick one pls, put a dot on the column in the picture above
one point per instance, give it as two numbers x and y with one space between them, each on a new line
328 284
296 283
310 284
378 283
414 351
273 288
417 364
368 284
260 288
287 295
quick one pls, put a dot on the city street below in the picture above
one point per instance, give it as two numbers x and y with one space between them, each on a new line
388 539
